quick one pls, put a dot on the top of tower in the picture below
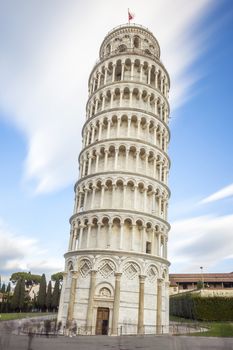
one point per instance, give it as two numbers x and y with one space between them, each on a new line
127 37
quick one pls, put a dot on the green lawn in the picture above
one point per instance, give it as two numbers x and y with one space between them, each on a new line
215 329
19 315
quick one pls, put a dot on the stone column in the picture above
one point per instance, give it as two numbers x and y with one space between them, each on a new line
109 235
89 164
159 244
156 79
103 103
75 235
92 133
102 196
98 234
141 304
122 70
118 125
93 197
105 75
85 197
128 127
72 296
138 128
145 199
116 304
88 233
97 162
153 242
141 71
132 71
108 129
91 301
149 74
61 303
121 234
116 158
159 306
135 196
111 100
143 239
113 195
133 236
124 194
71 238
98 83
127 157
130 98
100 130
80 236
121 97
105 159
137 160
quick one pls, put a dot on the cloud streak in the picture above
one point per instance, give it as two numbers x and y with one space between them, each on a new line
201 241
48 52
225 192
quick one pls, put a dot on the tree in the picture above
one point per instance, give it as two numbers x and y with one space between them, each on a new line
57 276
49 296
56 295
200 285
16 296
3 288
8 290
30 279
22 295
42 294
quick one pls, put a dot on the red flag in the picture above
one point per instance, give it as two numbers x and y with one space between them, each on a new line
130 15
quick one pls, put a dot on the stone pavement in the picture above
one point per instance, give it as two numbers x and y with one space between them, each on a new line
166 342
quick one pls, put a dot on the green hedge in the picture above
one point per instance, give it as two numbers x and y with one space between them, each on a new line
202 308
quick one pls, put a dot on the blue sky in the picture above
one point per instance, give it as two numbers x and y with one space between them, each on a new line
47 52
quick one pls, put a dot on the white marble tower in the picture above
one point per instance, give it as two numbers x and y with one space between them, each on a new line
116 267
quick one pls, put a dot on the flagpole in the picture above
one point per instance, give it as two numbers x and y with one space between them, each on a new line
128 17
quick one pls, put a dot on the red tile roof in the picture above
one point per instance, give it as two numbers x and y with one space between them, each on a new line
195 277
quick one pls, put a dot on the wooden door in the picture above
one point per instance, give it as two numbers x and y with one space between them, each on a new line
102 320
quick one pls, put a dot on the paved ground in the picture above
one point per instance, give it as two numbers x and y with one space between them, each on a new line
14 342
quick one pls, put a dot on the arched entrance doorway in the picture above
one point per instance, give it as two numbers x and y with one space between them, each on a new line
102 321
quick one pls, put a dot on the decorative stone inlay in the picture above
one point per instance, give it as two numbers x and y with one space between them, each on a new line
105 292
106 268
152 274
85 268
131 270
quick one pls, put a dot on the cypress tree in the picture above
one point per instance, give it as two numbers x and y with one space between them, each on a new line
42 294
49 296
16 296
8 288
3 289
56 295
22 295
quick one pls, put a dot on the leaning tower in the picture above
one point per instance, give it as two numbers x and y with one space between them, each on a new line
116 268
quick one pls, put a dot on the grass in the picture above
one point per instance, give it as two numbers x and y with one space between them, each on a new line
215 329
19 315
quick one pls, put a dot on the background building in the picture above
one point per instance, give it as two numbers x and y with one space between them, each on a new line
219 283
116 269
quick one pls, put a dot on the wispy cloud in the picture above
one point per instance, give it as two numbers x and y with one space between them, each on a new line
21 253
201 241
221 194
47 52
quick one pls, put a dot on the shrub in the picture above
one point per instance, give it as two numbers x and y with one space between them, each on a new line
202 308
